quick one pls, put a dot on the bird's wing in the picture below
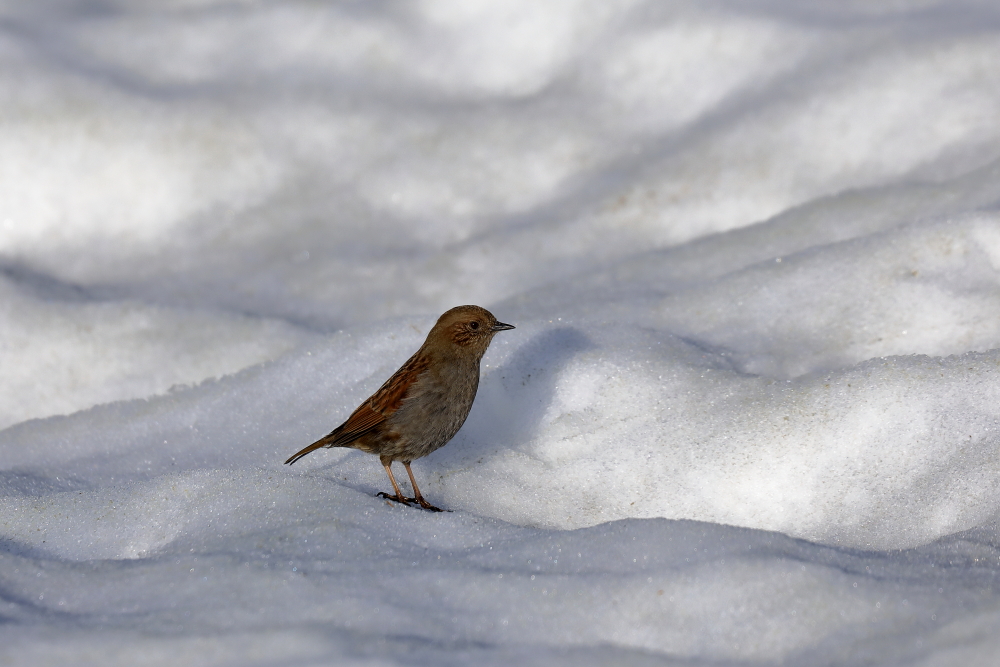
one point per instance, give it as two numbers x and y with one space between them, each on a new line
391 395
375 410
361 421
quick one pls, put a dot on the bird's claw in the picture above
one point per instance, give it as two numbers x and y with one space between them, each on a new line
407 501
427 506
396 499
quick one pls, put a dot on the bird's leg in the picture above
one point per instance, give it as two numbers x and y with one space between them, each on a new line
399 497
416 492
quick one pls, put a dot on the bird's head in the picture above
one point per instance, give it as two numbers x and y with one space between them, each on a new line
466 330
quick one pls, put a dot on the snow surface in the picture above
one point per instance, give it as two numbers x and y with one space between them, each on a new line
750 413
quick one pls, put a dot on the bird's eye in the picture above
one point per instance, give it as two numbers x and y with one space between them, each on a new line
473 325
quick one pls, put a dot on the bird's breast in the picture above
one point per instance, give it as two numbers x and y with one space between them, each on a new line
434 410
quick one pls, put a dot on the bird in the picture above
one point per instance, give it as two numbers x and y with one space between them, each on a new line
422 406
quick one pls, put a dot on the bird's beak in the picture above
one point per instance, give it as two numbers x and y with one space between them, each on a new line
500 326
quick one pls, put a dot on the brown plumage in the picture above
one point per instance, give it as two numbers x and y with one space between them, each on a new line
422 406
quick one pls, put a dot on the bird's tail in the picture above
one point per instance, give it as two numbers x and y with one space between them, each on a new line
323 442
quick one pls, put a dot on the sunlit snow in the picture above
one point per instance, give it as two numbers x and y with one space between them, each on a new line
750 413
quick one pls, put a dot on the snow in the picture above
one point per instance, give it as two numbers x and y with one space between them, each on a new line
750 413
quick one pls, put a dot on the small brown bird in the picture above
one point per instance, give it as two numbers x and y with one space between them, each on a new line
422 406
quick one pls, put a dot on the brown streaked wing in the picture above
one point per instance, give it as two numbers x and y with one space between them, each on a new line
375 410
392 394
381 404
361 421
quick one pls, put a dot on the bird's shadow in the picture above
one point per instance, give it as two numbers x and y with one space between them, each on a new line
513 398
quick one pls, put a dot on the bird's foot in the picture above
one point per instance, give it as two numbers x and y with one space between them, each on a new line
407 501
396 499
427 506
